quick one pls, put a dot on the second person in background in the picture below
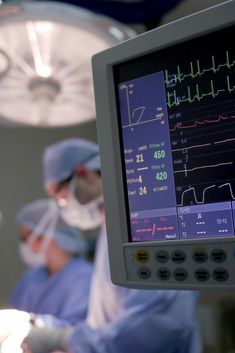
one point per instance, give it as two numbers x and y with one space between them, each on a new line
58 280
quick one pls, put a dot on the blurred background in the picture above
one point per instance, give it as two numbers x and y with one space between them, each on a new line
21 148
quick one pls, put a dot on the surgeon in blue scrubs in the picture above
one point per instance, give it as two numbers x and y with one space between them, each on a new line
58 280
119 320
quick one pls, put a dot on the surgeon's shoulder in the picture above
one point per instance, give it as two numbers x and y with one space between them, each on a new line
81 266
35 273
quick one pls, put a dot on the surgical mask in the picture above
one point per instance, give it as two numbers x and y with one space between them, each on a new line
28 256
84 217
31 258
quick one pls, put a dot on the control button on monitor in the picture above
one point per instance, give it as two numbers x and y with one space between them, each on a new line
163 273
200 255
144 272
178 256
142 256
180 274
218 255
202 274
162 256
220 274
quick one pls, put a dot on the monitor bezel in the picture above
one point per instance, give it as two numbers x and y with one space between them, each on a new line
201 23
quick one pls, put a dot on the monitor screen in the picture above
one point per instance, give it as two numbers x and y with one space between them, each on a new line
176 116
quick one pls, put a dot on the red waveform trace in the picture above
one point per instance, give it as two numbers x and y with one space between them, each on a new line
198 123
144 230
154 229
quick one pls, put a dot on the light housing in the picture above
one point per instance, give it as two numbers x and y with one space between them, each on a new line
45 66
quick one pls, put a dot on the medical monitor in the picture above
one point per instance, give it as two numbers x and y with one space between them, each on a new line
166 127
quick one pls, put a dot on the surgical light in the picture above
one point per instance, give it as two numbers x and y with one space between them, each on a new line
45 68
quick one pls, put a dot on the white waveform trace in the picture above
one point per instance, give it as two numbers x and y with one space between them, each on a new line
202 167
190 147
203 145
195 196
224 141
230 188
204 192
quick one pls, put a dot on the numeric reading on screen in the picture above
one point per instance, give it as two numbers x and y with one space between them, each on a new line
177 126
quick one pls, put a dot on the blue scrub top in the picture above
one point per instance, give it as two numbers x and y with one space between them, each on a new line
122 320
63 295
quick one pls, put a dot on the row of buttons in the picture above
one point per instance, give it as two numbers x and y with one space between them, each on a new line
178 256
180 274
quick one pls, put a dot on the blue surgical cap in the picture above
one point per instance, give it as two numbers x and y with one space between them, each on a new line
68 238
61 159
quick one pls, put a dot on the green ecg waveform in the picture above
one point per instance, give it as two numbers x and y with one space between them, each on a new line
173 100
198 72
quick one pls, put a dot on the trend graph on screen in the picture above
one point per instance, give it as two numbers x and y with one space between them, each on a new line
138 108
